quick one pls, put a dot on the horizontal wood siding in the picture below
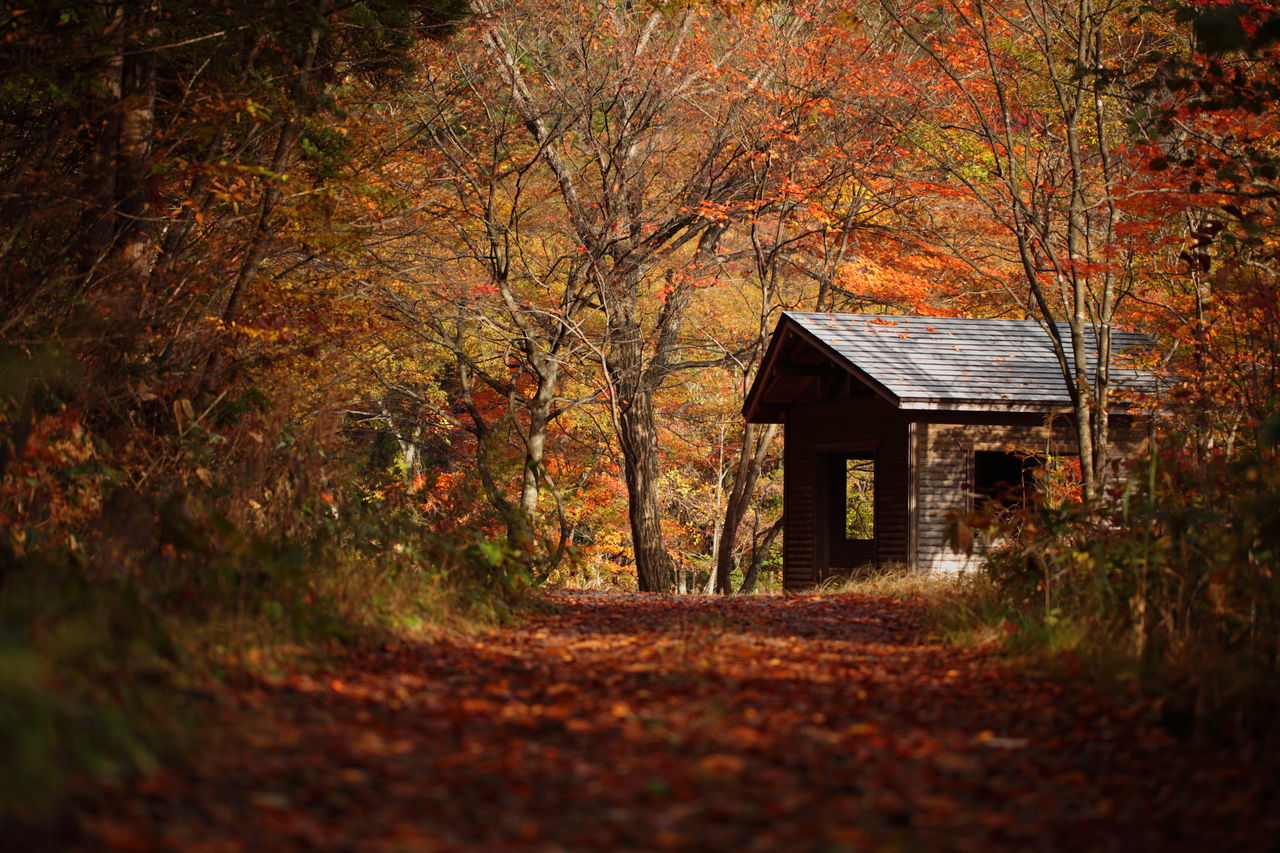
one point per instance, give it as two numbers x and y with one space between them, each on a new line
944 468
799 546
817 430
945 462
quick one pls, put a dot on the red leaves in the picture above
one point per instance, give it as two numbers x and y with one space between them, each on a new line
654 722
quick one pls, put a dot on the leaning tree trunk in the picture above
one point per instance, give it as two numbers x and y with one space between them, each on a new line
759 551
755 446
520 539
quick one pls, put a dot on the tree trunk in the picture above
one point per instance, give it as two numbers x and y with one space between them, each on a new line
133 251
535 447
305 85
519 533
639 439
755 447
97 226
541 413
118 237
635 379
758 553
263 232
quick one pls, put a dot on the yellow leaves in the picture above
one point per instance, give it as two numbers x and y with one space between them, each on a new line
255 110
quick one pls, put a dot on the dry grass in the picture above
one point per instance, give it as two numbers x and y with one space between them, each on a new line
957 609
896 580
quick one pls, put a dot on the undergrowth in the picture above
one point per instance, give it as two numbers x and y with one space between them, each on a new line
107 674
1169 589
149 547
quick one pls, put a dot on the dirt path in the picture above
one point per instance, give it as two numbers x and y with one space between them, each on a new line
656 723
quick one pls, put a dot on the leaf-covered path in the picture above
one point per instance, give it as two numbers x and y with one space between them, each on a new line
665 723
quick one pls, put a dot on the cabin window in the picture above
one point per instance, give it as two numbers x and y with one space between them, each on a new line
859 498
1005 478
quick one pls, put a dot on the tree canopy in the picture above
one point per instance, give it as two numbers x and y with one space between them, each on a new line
310 301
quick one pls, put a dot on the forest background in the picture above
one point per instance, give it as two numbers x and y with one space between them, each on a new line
322 317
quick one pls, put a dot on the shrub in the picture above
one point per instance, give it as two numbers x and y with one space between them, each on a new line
1171 581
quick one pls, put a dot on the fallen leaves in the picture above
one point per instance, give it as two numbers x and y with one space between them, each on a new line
630 722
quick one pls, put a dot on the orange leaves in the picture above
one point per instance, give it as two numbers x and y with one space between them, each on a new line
714 211
721 765
54 485
812 705
920 283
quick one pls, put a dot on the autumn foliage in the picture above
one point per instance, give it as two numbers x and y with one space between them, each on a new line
628 722
322 321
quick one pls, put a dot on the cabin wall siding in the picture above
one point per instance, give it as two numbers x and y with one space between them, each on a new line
799 545
946 473
944 462
832 426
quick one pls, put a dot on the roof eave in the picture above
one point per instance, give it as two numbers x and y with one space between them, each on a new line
1031 406
751 404
844 363
925 405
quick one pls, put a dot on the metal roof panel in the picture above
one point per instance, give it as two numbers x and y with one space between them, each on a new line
951 359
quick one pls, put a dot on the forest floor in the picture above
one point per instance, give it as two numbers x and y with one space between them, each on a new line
630 722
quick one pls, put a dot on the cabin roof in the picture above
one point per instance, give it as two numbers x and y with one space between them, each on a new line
929 362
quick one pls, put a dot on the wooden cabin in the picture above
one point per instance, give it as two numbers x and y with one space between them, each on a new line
892 422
